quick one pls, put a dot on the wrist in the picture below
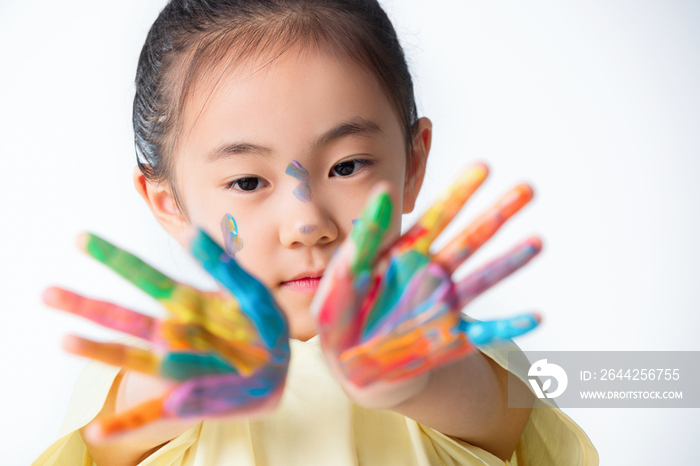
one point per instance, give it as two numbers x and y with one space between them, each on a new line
387 395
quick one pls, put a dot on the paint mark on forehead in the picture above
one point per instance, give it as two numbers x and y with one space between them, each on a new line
303 190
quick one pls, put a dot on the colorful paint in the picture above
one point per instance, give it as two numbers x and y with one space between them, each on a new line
224 354
390 316
480 230
488 275
303 190
232 242
482 333
307 229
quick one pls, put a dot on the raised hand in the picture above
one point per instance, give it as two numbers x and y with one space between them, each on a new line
389 315
225 354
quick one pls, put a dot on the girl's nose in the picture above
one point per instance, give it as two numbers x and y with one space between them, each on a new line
307 223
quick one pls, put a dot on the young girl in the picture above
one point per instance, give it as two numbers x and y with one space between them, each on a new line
274 122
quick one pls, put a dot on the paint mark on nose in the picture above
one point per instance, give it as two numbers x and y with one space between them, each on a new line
303 190
232 241
307 229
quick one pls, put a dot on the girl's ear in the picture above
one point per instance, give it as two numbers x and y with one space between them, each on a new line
162 204
419 158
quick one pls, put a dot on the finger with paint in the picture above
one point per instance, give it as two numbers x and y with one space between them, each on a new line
460 248
103 313
421 235
488 275
255 301
349 276
217 315
223 353
485 332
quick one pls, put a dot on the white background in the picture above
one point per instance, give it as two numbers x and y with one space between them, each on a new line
596 103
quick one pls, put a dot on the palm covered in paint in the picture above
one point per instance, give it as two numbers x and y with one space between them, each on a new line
386 317
223 353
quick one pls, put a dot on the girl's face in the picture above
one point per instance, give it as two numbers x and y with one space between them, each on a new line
291 151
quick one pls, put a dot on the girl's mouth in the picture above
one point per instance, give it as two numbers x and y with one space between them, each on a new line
306 285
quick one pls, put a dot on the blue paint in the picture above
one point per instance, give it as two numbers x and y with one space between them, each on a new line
396 280
255 300
232 241
307 229
481 333
221 393
303 190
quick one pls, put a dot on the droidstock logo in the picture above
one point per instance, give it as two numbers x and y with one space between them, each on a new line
542 369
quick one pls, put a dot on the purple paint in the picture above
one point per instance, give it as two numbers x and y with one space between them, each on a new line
303 190
307 229
488 275
220 393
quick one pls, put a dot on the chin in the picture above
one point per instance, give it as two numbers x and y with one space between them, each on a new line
302 329
296 308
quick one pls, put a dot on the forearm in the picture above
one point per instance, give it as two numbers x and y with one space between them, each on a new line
127 390
468 399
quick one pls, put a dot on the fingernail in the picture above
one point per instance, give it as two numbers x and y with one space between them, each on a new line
82 239
382 214
50 295
95 246
378 212
478 171
367 235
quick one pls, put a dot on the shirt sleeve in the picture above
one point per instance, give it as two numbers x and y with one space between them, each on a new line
440 449
550 438
86 402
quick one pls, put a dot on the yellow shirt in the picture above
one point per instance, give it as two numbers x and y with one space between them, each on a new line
316 424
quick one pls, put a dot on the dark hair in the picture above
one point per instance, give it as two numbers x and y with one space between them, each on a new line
190 36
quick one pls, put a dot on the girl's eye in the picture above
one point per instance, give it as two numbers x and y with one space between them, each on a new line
349 168
247 184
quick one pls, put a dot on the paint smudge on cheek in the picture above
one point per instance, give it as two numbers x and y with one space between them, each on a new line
307 229
232 241
303 190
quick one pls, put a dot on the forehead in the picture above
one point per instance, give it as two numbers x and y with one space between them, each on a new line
283 103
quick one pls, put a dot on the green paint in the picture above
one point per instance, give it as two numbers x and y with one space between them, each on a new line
130 267
369 231
183 366
396 281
